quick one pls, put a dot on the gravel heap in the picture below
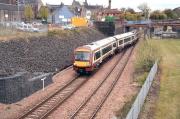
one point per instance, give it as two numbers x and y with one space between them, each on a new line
45 53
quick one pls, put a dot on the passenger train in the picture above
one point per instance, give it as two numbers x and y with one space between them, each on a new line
88 57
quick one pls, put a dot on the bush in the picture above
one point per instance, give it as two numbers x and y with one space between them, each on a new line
147 54
57 33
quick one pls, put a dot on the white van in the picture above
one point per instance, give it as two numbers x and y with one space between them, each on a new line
26 27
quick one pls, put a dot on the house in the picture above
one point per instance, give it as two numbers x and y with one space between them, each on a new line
9 11
85 10
109 12
60 14
76 8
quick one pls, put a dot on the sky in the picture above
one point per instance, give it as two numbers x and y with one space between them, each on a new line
153 4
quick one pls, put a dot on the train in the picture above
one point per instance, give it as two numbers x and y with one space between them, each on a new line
88 57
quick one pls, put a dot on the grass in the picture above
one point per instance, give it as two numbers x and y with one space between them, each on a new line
8 35
121 113
67 33
147 54
168 104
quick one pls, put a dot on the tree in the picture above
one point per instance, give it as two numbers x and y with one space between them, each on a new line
43 12
28 13
132 16
170 14
130 10
145 10
162 16
158 15
177 12
123 9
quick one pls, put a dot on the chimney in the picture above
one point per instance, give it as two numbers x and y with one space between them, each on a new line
109 4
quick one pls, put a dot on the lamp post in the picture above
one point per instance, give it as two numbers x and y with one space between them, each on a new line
124 30
18 10
17 3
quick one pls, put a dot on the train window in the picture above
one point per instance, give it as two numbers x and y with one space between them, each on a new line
120 42
97 55
127 39
82 56
106 49
114 45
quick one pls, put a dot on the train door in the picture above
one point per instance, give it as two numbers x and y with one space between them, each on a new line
114 47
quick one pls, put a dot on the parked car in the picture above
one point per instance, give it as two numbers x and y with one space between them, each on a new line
27 27
69 27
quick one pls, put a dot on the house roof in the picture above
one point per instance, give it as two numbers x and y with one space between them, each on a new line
76 3
111 11
93 7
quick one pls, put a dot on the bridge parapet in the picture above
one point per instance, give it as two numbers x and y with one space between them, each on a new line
145 23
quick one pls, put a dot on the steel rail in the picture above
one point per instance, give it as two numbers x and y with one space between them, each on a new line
97 88
47 99
111 88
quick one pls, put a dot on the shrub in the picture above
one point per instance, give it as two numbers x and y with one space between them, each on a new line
147 54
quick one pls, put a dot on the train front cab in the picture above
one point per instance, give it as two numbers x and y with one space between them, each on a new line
82 61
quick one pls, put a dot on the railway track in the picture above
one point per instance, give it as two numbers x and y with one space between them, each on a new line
48 105
43 109
100 104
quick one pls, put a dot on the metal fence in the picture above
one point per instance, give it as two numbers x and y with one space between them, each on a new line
136 107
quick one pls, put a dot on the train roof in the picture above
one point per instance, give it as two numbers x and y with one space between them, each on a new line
100 43
124 35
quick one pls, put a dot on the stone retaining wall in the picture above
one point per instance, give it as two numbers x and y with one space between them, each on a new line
19 86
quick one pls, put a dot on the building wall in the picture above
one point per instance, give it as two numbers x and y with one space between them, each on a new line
10 12
61 15
4 1
9 7
12 15
8 1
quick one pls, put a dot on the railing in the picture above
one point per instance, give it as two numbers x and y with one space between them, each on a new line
139 22
145 22
136 107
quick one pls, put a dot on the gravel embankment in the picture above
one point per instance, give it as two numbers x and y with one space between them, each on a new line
45 53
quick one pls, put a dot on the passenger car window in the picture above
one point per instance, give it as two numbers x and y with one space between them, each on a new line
120 42
114 45
106 49
97 55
